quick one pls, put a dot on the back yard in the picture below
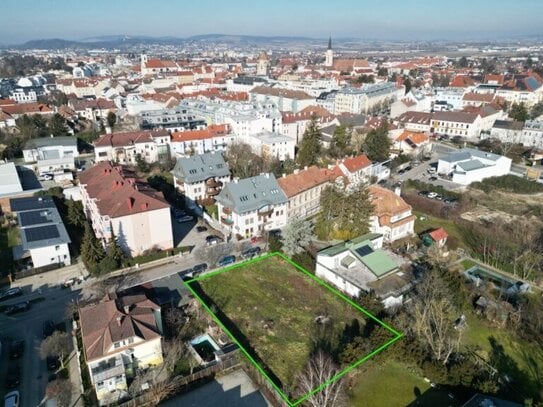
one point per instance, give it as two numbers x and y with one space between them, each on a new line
280 314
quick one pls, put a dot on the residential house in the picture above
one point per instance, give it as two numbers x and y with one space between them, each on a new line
271 145
452 124
44 240
25 95
362 266
436 237
294 125
413 101
303 189
252 206
19 110
93 109
285 99
364 99
200 177
522 88
509 131
120 337
51 154
449 98
411 143
469 165
532 134
124 148
138 214
356 169
392 216
216 137
415 121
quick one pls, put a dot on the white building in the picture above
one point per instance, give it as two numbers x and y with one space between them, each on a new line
9 179
532 134
139 215
51 154
124 148
199 178
120 336
329 55
469 165
271 145
44 240
263 65
252 206
364 99
285 99
412 102
216 137
361 266
415 121
450 97
356 169
24 95
509 131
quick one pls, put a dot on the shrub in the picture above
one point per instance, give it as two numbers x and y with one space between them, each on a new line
509 183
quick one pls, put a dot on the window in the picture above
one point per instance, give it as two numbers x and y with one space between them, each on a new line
116 345
57 248
130 340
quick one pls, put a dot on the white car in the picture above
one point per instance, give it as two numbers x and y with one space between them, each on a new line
12 399
431 195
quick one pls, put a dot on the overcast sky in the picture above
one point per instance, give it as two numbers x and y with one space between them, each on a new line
389 19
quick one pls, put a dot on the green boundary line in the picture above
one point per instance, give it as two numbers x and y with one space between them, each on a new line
321 282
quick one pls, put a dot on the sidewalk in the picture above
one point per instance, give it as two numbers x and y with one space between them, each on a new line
75 376
52 278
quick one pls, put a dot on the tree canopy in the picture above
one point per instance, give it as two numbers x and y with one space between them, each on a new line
310 147
377 144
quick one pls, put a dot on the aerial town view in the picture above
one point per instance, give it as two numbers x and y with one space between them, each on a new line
283 204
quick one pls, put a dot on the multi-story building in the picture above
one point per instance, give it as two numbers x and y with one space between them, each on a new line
392 216
452 124
200 177
137 214
285 99
177 119
509 131
356 169
252 206
271 145
93 109
362 100
216 137
124 148
120 336
244 118
294 124
24 95
44 239
51 154
303 189
532 134
263 64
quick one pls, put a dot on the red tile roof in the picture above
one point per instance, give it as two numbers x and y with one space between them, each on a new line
387 204
438 234
112 321
305 180
7 102
354 164
117 195
214 130
416 138
27 108
125 139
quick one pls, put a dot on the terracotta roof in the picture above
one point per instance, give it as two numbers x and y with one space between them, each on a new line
416 138
280 92
157 63
306 114
7 102
386 204
82 104
125 139
214 130
415 117
462 81
4 115
27 108
438 234
304 180
347 65
356 163
459 117
112 321
478 97
118 195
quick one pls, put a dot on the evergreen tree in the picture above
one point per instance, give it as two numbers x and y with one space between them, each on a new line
519 112
340 142
114 250
76 217
297 236
92 251
57 125
310 147
111 120
377 144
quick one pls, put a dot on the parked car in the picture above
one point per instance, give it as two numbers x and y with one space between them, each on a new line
186 218
16 349
16 308
12 399
415 163
48 328
52 362
10 293
423 193
431 170
226 260
450 201
13 376
431 195
250 253
212 239
199 268
438 197
186 273
433 178
201 229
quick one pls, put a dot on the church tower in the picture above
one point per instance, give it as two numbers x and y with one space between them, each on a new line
329 54
263 64
144 60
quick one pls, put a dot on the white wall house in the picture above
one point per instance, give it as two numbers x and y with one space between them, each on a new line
123 148
50 148
215 138
271 145
252 206
139 215
285 99
469 165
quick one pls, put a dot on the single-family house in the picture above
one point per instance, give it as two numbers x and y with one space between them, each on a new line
51 154
125 148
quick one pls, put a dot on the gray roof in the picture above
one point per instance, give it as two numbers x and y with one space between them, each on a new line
200 167
40 222
51 141
471 165
251 194
508 125
354 120
9 179
468 153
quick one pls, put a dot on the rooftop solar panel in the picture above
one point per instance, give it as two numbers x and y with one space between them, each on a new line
364 250
34 218
28 204
41 233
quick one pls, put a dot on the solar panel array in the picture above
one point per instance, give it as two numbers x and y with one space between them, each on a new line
364 251
33 218
41 233
28 204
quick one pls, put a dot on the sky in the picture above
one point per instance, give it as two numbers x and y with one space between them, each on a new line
23 20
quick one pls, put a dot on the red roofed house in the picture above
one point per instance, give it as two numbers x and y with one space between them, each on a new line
216 137
303 189
411 142
123 148
392 216
120 335
139 215
356 169
439 236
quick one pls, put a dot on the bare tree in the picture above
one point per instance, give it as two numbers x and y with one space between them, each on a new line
433 316
296 236
319 370
55 345
61 391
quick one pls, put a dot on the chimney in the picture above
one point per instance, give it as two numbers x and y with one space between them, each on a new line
130 202
284 175
145 206
267 175
398 189
119 319
305 168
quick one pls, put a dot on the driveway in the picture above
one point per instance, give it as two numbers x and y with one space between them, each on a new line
232 390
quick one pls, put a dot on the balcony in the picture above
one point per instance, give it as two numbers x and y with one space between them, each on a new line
265 212
213 183
108 369
213 191
226 221
227 211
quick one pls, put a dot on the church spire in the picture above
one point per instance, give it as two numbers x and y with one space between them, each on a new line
330 42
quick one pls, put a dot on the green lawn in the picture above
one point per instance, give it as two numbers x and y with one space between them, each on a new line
469 263
431 222
271 306
395 384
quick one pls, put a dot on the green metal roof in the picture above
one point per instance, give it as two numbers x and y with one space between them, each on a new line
333 250
379 263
